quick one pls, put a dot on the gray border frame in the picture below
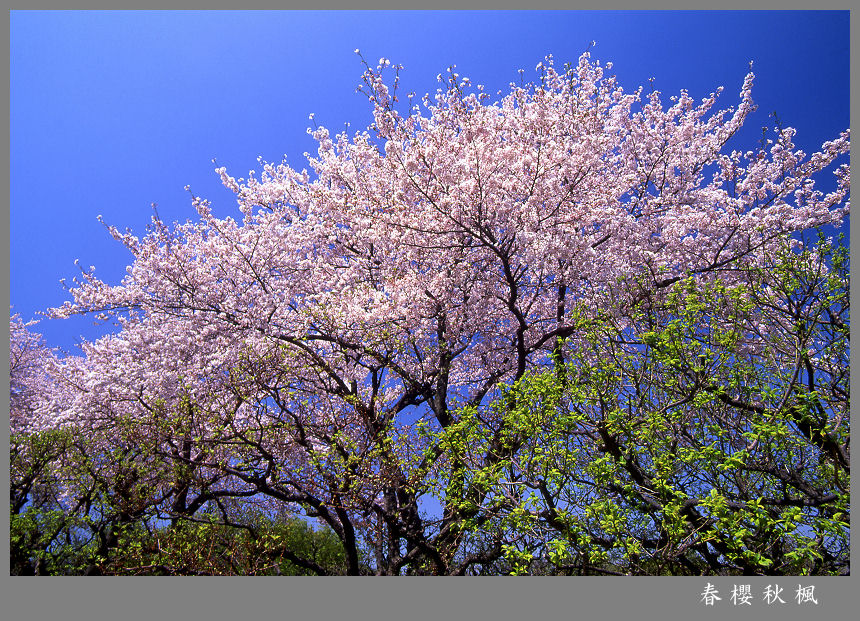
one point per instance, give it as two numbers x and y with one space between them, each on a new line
403 598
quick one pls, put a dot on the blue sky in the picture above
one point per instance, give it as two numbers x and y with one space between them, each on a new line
113 111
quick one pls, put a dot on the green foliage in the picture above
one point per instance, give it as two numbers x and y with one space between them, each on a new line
258 545
687 441
109 523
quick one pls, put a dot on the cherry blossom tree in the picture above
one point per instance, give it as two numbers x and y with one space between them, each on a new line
321 350
95 476
28 359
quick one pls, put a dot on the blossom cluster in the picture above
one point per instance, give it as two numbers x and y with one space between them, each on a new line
426 260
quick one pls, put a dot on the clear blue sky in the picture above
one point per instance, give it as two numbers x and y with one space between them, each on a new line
113 111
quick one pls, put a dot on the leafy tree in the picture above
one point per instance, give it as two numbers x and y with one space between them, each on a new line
705 434
250 543
360 347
